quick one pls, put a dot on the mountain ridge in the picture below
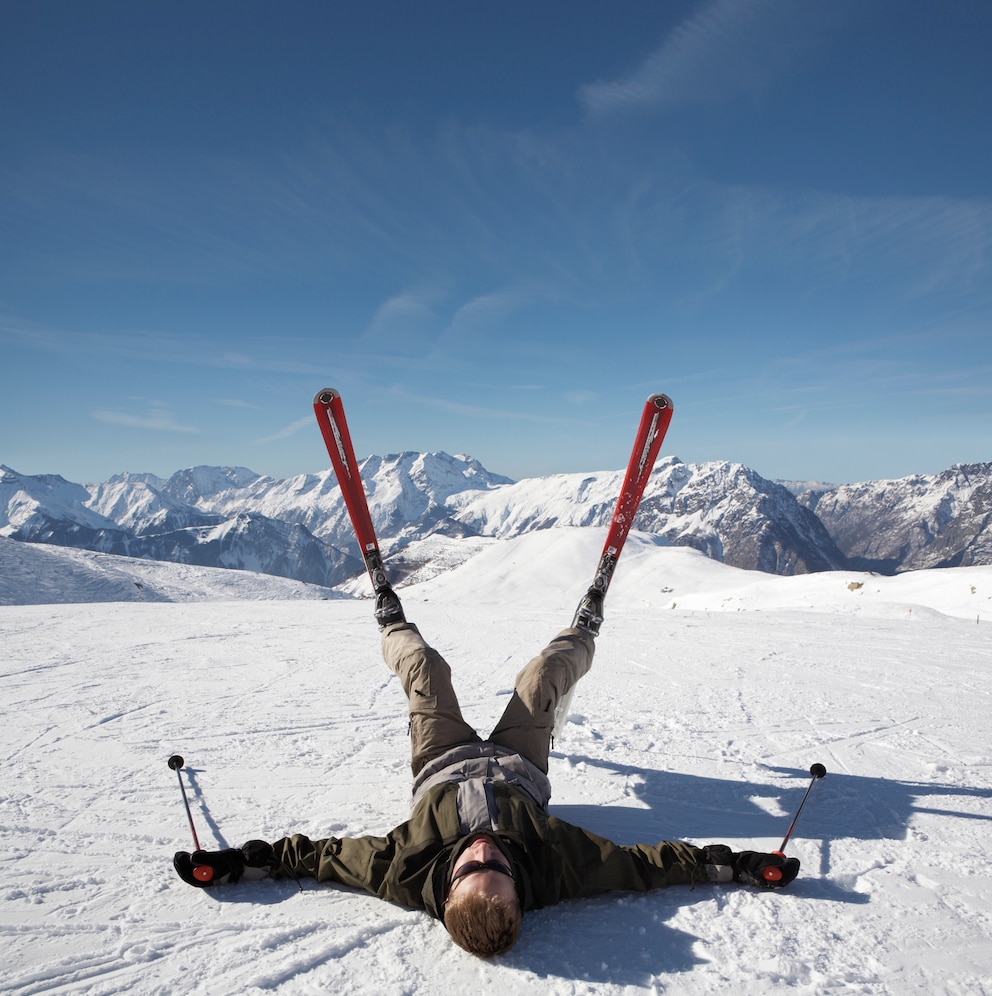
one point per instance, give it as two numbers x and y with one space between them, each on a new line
913 522
433 510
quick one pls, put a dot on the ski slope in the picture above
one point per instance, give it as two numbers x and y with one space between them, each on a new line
712 693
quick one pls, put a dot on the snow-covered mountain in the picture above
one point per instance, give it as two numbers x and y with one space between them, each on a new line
724 510
927 520
139 516
433 511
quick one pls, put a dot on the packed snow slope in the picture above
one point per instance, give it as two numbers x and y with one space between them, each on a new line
712 693
34 574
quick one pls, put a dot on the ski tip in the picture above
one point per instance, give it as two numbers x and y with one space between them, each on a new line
661 402
325 396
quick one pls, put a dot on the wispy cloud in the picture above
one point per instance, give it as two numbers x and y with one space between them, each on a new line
290 430
156 418
926 244
482 311
401 320
474 321
265 363
479 411
725 48
893 248
233 403
159 347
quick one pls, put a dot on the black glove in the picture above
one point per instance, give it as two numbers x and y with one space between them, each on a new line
723 865
203 869
750 867
206 868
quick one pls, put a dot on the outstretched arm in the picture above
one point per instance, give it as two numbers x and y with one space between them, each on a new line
592 865
360 862
393 867
674 862
589 865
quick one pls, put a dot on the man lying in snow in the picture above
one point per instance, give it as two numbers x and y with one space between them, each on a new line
480 848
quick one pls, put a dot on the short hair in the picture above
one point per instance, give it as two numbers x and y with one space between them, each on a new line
483 925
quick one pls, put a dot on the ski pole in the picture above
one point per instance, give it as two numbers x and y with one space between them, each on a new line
774 874
202 872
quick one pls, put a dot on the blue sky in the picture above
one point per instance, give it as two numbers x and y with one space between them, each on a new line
496 228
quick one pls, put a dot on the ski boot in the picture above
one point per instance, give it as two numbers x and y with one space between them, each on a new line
387 608
589 614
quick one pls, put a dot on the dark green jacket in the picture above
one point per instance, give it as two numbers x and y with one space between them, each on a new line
552 860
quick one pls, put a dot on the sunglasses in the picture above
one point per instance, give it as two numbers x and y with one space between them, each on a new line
470 867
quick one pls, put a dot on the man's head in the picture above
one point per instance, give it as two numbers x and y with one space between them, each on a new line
482 911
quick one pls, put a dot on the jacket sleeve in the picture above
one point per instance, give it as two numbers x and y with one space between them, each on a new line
591 865
359 862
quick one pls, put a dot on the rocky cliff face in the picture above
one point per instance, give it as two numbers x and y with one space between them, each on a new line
936 520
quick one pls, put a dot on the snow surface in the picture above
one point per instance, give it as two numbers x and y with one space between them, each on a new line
36 574
712 693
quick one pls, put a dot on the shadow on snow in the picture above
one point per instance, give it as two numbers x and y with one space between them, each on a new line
681 806
623 938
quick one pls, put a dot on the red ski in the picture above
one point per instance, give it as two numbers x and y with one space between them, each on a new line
655 418
329 409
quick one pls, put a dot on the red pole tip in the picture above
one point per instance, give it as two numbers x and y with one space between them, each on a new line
770 874
203 873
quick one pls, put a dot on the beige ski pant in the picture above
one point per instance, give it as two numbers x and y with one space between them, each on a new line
436 723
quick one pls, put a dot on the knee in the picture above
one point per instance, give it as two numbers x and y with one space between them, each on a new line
543 682
422 673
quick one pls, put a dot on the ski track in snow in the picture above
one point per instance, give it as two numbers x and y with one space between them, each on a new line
699 721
